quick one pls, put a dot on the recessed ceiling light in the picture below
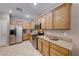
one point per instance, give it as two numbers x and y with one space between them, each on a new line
27 16
35 4
10 11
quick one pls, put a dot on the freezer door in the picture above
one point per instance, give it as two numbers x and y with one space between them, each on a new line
18 34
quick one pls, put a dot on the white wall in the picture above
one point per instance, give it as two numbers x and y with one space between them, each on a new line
73 33
5 16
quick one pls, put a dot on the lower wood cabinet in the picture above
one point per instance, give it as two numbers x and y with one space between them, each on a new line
54 52
39 45
51 49
25 37
58 50
45 48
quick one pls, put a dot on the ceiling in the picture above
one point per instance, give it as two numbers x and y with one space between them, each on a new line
27 9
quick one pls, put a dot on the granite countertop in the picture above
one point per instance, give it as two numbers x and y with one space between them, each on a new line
62 43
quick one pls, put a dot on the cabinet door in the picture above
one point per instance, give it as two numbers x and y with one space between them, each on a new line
24 37
62 17
42 21
39 45
32 25
62 50
54 52
49 21
45 48
27 26
30 37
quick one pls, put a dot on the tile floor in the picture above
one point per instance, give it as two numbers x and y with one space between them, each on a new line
22 49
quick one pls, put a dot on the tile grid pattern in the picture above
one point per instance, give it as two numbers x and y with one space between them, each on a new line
22 49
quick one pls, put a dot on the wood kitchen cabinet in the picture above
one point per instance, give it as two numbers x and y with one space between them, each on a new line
29 36
56 50
62 17
49 20
25 37
45 48
50 49
42 21
26 25
32 25
59 18
39 44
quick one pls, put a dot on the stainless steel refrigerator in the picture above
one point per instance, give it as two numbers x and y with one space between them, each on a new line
15 34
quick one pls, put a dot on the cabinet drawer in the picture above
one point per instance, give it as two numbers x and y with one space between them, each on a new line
60 49
54 52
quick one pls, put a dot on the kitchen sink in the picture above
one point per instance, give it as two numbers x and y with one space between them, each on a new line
53 38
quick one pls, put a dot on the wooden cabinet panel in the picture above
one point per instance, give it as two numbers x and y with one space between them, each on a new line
42 21
32 25
39 45
54 52
29 36
25 25
49 20
62 17
25 37
59 18
60 49
45 48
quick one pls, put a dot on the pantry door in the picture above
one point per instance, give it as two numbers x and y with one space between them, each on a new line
3 33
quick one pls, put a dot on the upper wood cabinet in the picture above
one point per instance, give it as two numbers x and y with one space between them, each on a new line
26 25
62 17
59 18
42 21
49 20
32 25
